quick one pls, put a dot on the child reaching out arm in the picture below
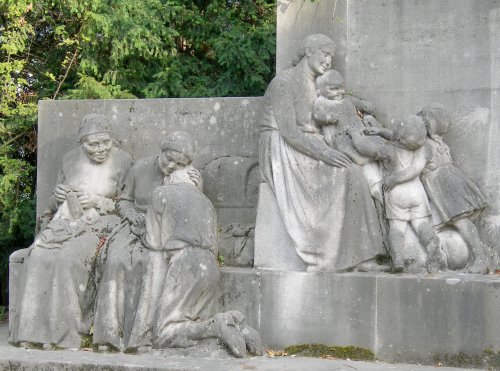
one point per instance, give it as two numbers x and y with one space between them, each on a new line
405 199
408 173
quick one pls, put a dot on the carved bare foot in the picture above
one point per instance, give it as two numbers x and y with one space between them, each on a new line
437 257
250 335
227 332
371 266
480 265
398 264
103 349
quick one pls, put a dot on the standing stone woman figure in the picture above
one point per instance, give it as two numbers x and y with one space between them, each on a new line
323 201
52 308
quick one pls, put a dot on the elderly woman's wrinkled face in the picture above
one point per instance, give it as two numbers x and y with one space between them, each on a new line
172 160
97 146
319 61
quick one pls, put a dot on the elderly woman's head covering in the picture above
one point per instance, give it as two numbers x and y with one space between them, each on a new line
179 141
315 42
93 123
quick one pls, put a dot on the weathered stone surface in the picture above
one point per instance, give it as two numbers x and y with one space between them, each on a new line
222 127
232 183
151 277
403 55
298 19
418 318
411 317
273 246
175 360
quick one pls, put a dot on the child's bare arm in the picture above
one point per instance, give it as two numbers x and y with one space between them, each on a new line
412 171
361 104
368 147
383 132
371 122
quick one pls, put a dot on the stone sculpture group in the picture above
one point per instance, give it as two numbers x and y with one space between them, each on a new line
345 186
129 250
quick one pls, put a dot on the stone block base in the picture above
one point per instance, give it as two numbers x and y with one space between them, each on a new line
410 318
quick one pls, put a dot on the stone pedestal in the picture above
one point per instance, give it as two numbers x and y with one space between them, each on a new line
399 317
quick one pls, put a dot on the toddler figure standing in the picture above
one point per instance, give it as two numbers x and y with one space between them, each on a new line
406 202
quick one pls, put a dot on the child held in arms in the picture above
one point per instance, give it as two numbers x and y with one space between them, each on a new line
337 114
406 202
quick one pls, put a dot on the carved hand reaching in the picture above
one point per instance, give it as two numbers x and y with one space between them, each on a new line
370 121
60 192
371 131
389 183
195 176
136 218
335 158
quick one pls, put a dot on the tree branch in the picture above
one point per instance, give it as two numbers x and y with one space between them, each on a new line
66 74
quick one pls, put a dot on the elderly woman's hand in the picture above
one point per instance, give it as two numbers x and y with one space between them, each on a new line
86 200
389 183
60 192
137 219
335 158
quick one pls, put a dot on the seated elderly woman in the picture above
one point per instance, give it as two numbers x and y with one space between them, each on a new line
53 309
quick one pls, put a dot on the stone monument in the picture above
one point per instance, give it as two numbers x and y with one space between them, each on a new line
137 245
373 102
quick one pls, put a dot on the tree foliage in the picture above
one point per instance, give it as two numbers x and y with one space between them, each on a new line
90 49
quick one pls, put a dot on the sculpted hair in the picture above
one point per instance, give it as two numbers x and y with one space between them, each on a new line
411 124
93 123
315 42
436 119
329 78
179 141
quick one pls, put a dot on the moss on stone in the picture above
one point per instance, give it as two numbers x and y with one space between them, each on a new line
487 360
321 350
33 345
86 341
